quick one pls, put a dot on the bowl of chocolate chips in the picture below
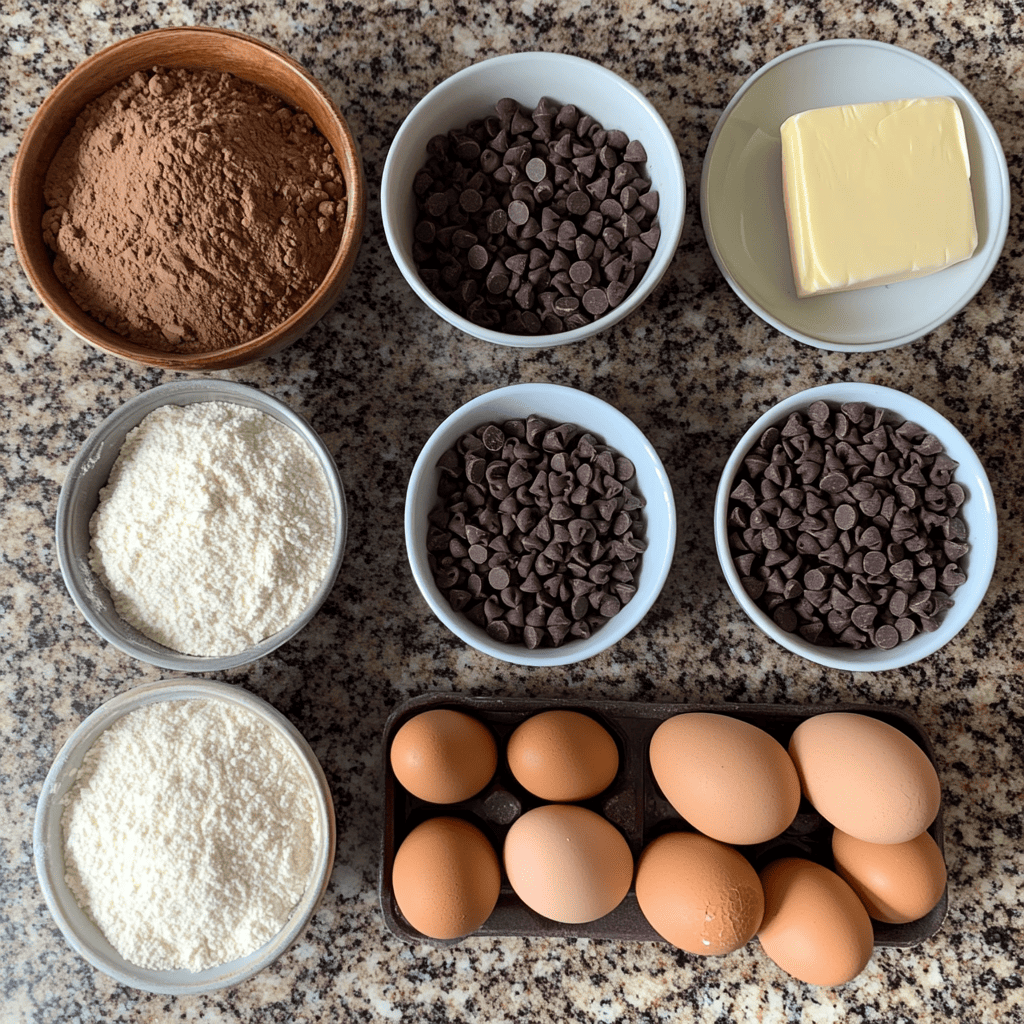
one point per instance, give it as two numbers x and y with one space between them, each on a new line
533 199
540 524
856 526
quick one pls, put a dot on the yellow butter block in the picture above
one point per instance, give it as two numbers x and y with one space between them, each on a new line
876 193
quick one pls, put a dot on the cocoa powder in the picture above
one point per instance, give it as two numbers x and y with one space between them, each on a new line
190 211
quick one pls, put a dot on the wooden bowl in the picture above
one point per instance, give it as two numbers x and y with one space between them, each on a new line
205 49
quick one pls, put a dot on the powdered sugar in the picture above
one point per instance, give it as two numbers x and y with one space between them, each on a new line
215 528
190 833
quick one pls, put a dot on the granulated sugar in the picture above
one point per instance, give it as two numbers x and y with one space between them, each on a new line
215 528
190 834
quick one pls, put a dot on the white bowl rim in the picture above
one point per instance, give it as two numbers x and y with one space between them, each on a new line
186 392
982 552
1000 228
667 245
657 561
56 891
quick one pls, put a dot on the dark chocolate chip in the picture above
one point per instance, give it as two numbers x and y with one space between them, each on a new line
886 637
846 517
785 618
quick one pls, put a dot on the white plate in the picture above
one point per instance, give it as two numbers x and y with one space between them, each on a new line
745 221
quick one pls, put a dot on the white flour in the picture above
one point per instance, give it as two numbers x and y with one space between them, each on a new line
189 834
215 528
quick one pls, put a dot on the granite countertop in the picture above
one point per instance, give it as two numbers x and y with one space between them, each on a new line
693 369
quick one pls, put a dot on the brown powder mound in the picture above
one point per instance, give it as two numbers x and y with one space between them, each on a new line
191 211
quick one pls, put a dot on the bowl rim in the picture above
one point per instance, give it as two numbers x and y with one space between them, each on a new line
128 415
667 245
983 548
985 129
657 559
49 861
34 143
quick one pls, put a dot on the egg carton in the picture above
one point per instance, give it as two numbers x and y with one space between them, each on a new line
633 803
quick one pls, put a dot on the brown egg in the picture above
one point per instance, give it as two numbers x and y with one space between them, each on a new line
563 756
568 863
896 882
814 926
699 894
444 756
446 878
726 777
865 776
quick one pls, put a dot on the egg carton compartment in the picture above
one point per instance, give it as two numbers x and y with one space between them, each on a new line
633 803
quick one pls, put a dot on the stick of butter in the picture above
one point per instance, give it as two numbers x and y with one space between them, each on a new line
876 193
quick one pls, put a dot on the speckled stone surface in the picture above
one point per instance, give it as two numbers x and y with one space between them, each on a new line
693 368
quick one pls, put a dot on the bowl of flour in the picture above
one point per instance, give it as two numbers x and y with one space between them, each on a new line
184 836
201 526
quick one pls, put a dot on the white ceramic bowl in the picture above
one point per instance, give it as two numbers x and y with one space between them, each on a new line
529 77
978 511
560 405
89 472
745 220
80 931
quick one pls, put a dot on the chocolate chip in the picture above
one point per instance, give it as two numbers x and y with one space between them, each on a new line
477 257
786 618
635 152
518 212
846 517
952 576
835 483
817 412
595 301
874 563
886 637
863 616
905 627
834 555
581 272
815 579
536 169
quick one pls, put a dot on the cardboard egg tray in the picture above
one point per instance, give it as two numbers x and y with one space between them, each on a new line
634 803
